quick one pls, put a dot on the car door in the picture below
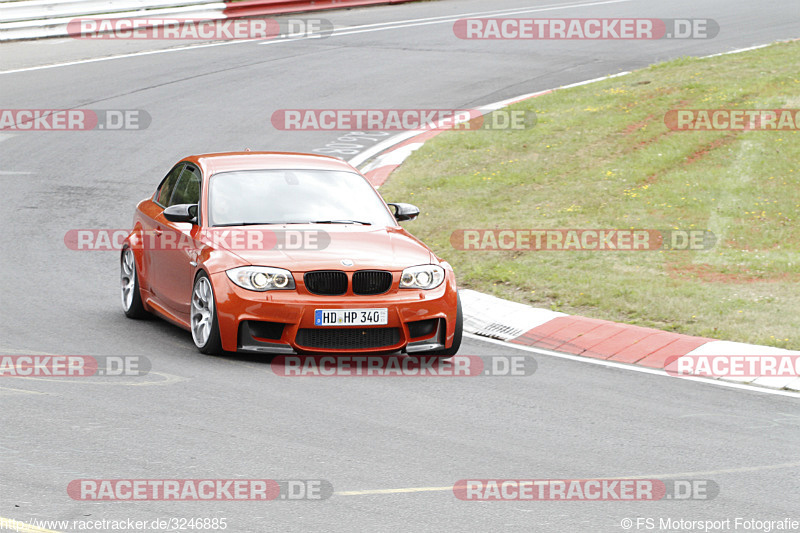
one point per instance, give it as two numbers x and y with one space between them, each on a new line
150 225
172 261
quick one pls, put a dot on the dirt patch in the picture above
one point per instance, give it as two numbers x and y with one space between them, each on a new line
638 125
713 274
707 149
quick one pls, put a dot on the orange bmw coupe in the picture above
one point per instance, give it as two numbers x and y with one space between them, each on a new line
286 253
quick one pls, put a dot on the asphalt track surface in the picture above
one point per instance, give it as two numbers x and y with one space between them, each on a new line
390 447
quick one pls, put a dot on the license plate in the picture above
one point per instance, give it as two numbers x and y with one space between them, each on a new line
351 317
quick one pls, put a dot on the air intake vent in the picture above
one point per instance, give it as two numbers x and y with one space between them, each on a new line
348 338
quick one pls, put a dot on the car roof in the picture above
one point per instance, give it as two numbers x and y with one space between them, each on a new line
229 161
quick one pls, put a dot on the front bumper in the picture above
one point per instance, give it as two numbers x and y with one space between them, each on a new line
282 322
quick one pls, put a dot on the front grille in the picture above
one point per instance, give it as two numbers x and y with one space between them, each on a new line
348 339
371 281
326 282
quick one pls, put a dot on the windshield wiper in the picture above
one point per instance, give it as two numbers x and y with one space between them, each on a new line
274 222
342 222
279 222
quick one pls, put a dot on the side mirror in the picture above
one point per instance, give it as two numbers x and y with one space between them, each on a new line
405 211
181 213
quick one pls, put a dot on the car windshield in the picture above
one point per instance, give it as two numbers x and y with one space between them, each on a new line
294 197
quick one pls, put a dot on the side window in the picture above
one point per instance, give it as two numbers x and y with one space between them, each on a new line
167 186
187 191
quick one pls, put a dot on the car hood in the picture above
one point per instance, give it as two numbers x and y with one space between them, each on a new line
367 247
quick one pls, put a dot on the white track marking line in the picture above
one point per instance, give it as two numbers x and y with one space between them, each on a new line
722 471
394 140
346 31
476 14
121 56
453 18
633 368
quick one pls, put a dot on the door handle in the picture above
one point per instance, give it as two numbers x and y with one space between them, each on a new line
158 232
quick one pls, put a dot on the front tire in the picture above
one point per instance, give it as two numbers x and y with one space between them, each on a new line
129 281
203 317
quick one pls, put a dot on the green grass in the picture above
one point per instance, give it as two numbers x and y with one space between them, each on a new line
600 156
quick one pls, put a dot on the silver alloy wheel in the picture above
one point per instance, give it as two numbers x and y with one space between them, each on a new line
127 278
202 312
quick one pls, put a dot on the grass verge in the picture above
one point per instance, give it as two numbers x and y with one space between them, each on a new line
601 156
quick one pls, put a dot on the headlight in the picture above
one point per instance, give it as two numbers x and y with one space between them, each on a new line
422 277
257 278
